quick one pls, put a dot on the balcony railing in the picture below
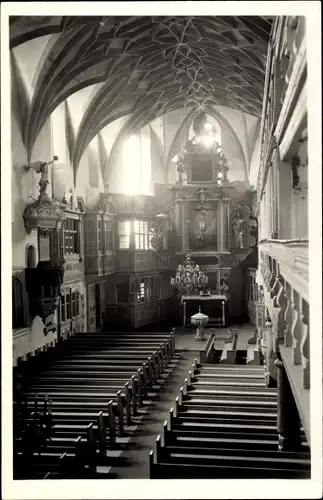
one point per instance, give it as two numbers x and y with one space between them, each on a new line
283 274
292 258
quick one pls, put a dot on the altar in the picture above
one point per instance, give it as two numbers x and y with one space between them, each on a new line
214 306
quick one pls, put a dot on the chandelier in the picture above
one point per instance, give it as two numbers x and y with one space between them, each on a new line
189 278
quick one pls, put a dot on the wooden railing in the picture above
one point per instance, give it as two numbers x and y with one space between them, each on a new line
285 292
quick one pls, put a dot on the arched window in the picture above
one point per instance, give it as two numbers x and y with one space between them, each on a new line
136 166
31 257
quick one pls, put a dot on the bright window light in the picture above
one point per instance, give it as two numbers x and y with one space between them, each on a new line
131 166
208 140
136 166
208 126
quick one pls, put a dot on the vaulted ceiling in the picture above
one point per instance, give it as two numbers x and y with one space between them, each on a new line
148 66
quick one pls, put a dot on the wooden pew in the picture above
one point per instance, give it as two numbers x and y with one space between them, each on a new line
208 353
229 352
89 389
265 463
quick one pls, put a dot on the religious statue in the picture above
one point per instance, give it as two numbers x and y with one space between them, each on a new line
225 167
68 199
163 229
223 289
238 225
160 230
202 193
180 171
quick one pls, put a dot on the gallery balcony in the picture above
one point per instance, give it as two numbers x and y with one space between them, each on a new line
283 276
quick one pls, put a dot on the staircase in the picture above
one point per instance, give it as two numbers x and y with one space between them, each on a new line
224 425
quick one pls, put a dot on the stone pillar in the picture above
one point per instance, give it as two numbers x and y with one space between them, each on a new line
288 422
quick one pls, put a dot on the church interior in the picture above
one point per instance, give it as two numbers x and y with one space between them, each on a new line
160 288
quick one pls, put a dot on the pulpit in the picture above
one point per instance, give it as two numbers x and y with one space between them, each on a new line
214 306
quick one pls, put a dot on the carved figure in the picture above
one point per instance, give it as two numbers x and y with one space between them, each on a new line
160 232
163 229
202 224
238 225
223 289
180 171
202 193
41 167
68 200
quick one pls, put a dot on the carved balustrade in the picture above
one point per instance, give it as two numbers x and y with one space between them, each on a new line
282 274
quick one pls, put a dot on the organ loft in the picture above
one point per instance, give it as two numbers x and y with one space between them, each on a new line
159 235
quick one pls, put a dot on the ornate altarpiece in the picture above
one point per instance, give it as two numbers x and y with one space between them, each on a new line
212 220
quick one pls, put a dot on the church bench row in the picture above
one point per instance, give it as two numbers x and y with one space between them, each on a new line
74 404
66 456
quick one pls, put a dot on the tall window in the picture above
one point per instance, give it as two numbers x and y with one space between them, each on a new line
252 289
75 300
141 294
124 234
141 235
70 238
90 235
70 305
108 232
139 229
136 165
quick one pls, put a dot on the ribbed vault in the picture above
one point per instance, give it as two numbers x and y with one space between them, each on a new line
149 66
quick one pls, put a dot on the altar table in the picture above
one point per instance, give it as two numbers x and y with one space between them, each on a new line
214 306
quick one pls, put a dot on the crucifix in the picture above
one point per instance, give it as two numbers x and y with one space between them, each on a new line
202 221
41 167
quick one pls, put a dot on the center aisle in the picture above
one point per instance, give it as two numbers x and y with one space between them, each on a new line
136 456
